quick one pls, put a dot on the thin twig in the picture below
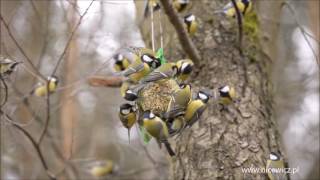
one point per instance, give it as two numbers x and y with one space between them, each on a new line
3 82
20 48
161 30
242 57
70 38
34 144
303 32
239 20
183 36
46 124
36 11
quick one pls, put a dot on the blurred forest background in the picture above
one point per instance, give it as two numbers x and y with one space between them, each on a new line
83 120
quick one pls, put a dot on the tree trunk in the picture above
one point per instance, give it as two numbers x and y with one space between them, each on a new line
223 143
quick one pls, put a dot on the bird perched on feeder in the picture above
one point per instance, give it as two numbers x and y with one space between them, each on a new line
191 24
229 10
121 63
140 67
179 101
176 125
195 108
7 66
165 71
42 89
127 115
158 129
185 67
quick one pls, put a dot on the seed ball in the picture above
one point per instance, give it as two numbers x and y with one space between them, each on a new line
156 96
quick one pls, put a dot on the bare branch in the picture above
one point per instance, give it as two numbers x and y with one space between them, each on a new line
112 81
303 32
183 36
34 144
239 20
21 50
70 38
5 92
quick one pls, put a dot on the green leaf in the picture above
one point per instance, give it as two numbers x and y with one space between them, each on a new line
161 56
145 135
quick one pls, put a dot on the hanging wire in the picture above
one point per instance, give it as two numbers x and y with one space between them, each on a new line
161 30
152 29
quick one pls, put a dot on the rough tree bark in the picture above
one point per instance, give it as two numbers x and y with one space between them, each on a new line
224 142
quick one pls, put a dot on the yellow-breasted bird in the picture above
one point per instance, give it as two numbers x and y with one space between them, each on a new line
7 66
227 95
177 124
158 129
180 5
154 4
191 24
179 101
185 67
195 108
127 115
42 89
165 71
275 165
101 168
121 63
144 62
244 7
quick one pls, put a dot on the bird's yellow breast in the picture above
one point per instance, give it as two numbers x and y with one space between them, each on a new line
139 75
192 108
104 170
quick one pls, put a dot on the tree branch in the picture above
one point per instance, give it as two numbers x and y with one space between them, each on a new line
183 36
20 48
34 144
239 20
70 38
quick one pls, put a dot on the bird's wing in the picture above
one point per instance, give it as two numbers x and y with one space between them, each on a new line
154 76
132 70
196 115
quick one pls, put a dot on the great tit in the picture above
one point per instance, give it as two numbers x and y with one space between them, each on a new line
127 115
185 67
244 7
42 89
191 23
275 167
180 5
7 66
195 108
165 71
179 101
227 95
158 129
151 4
121 63
101 168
